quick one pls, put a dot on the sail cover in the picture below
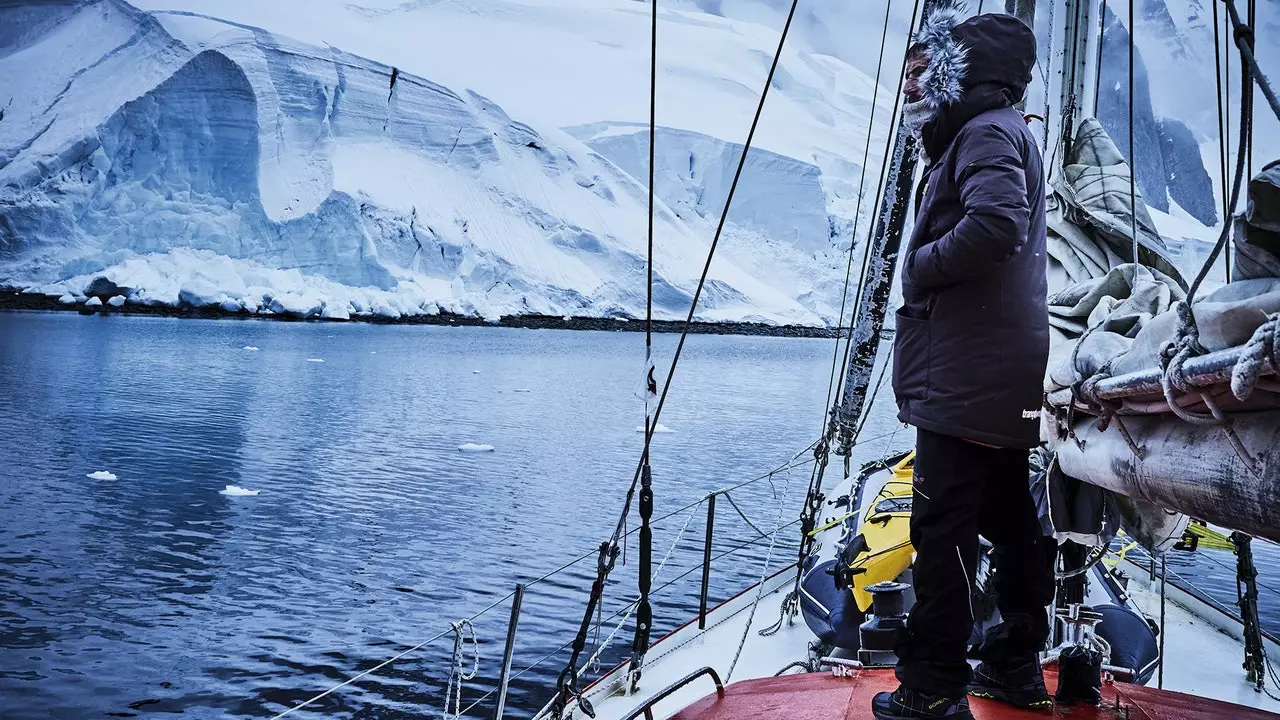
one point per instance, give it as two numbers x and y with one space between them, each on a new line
1112 317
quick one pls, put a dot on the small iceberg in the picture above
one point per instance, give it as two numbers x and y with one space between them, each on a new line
474 448
657 430
237 491
475 372
251 348
67 299
101 475
116 301
93 302
315 360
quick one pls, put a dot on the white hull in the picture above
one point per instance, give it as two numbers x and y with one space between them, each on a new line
1203 651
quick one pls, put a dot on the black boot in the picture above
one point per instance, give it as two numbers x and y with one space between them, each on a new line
1020 684
904 704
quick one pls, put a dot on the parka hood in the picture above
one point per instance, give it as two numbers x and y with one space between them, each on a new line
975 65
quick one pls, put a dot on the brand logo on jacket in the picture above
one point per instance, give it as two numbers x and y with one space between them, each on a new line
1031 414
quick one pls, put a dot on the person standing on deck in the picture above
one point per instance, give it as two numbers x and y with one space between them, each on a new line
969 358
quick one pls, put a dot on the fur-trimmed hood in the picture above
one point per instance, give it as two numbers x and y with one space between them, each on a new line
975 64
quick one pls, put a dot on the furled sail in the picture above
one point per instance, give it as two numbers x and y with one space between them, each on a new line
1168 402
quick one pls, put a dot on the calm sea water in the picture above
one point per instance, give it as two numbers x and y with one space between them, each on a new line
371 532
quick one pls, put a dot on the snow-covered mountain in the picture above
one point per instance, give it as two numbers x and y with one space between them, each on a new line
1176 138
331 159
490 157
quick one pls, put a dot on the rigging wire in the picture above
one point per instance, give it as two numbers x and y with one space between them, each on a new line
608 551
1249 64
689 571
1252 12
1222 113
1226 89
1246 107
1133 160
764 574
880 187
871 401
809 511
644 609
857 220
1102 36
687 325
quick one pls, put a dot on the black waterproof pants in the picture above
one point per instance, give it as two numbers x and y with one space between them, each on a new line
963 489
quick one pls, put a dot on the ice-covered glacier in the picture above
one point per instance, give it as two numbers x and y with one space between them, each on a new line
340 158
194 160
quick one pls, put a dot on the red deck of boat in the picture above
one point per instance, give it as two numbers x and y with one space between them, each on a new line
822 696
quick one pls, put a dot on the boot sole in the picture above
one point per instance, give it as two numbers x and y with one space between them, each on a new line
1025 699
965 716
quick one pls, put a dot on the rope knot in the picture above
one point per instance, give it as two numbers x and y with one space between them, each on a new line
1173 380
1263 347
1244 35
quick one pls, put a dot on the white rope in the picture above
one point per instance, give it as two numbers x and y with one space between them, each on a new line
595 656
1262 346
457 676
390 660
764 575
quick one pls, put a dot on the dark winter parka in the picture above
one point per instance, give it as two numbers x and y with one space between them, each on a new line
973 331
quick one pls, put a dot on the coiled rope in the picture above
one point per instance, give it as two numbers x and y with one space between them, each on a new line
457 673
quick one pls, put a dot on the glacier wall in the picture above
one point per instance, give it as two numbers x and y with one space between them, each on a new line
199 161
777 196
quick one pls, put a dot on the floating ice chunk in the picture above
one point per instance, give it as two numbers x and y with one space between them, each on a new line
474 448
67 299
93 302
101 475
253 348
315 360
116 301
659 429
237 491
373 352
475 372
567 318
522 389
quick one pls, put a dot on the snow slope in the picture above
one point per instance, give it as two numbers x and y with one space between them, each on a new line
260 160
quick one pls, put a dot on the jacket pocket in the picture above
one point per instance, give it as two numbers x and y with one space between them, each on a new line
911 357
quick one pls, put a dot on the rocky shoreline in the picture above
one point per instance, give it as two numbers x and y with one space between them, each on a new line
13 300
